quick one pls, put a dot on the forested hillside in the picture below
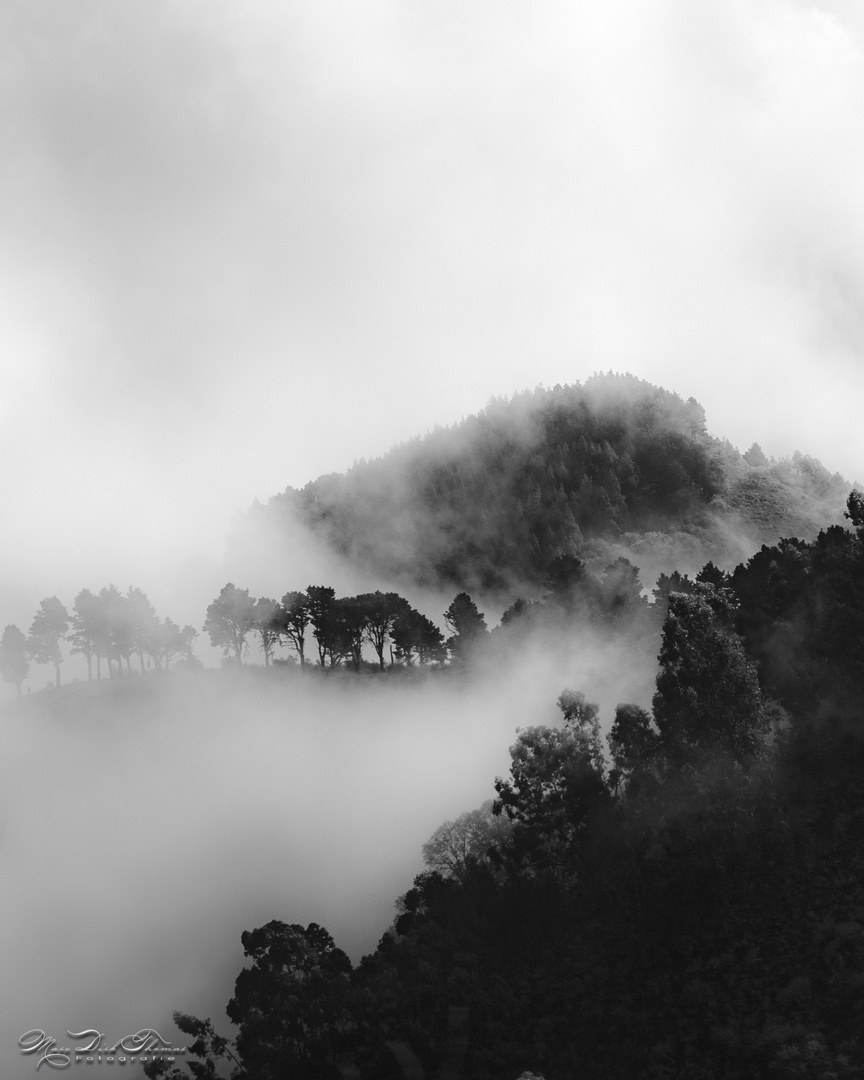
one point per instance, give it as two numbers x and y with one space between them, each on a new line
684 898
612 467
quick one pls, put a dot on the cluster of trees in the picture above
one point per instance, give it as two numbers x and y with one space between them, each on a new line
334 629
107 626
112 628
684 898
491 501
340 626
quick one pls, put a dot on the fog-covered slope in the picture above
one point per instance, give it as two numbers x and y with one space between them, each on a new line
609 467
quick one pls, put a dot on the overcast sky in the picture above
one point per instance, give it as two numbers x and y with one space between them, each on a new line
242 244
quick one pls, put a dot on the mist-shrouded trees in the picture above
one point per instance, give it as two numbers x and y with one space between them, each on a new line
489 503
581 717
620 593
666 585
85 628
319 605
340 625
807 600
468 627
112 627
14 665
186 646
556 785
755 456
708 696
347 631
712 575
292 621
167 644
142 622
266 625
230 619
634 745
381 610
413 634
613 597
855 510
567 581
457 845
116 635
47 630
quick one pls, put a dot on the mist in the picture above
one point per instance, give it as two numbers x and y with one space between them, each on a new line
227 233
243 247
147 822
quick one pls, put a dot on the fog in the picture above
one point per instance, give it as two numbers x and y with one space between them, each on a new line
243 245
147 822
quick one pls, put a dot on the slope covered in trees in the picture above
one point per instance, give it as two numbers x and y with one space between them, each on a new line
687 900
488 503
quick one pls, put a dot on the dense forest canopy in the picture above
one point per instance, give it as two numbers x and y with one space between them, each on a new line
488 503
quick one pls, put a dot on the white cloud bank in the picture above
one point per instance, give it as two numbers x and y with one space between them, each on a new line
244 244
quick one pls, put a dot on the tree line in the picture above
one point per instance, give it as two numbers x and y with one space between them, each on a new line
331 631
107 628
110 629
334 629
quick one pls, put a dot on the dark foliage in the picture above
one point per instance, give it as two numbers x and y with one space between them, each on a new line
696 909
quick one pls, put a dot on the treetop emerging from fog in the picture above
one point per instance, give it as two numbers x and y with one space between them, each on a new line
488 503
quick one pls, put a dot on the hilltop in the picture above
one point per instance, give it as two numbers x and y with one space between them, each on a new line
610 467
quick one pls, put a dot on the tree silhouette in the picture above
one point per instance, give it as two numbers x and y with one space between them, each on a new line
168 643
292 621
47 630
412 633
85 628
319 606
468 626
142 621
349 622
13 657
265 625
289 1005
708 695
456 845
230 618
115 630
556 786
381 612
568 583
634 745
